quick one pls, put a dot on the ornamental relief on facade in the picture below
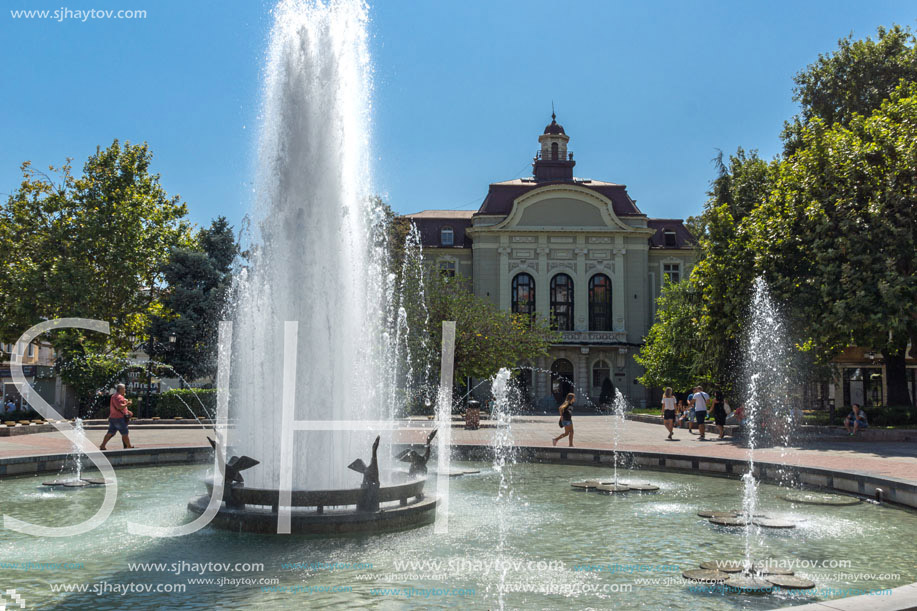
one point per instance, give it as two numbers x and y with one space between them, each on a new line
602 266
530 265
561 265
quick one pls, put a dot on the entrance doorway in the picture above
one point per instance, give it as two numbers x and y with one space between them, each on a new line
561 379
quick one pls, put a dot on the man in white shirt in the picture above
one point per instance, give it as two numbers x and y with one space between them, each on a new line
699 401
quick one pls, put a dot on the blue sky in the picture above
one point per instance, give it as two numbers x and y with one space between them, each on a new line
648 91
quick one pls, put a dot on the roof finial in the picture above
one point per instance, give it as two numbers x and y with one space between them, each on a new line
553 116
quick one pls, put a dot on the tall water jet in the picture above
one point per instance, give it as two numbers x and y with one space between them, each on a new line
313 259
767 388
410 353
504 455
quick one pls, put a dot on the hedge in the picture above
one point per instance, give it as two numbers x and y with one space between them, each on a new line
894 415
170 404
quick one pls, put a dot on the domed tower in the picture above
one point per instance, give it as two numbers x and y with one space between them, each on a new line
553 162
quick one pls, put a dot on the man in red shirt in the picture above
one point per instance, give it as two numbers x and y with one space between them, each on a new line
117 421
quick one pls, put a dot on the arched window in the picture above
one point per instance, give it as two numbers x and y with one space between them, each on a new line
600 303
554 151
562 379
562 302
523 294
446 236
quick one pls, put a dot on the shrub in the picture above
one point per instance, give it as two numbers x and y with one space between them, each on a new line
21 414
177 402
893 415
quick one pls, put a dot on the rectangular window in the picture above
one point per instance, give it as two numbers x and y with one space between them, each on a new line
671 272
670 240
447 268
31 350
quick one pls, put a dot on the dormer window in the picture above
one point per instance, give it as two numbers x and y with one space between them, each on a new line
446 236
669 239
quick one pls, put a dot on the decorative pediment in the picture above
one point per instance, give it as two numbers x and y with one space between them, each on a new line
565 207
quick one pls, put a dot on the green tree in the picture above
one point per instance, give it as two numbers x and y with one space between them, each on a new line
725 273
197 286
669 353
486 337
854 79
90 246
699 329
837 237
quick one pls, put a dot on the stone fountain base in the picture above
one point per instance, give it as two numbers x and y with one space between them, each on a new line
324 512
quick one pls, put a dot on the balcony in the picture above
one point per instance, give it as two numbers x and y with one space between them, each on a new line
593 337
540 156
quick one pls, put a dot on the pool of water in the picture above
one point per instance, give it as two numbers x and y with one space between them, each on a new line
546 546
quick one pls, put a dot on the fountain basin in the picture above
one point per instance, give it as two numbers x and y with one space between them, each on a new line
642 527
324 512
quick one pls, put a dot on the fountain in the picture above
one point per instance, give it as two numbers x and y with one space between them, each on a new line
76 459
767 386
613 486
504 456
312 305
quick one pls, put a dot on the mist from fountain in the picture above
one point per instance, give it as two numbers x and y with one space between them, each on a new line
318 255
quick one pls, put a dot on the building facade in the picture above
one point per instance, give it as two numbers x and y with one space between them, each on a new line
573 250
38 369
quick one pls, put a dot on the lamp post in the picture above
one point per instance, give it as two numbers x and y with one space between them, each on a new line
149 371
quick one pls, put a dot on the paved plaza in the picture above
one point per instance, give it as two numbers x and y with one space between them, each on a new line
887 459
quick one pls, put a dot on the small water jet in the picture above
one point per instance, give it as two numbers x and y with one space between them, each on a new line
75 458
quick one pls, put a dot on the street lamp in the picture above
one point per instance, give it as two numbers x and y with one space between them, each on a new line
149 371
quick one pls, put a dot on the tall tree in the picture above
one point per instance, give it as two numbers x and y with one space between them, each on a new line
854 79
837 237
669 353
197 285
90 246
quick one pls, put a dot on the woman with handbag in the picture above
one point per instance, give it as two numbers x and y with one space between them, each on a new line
566 419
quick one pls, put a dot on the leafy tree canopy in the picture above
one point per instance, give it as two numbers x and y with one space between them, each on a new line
89 246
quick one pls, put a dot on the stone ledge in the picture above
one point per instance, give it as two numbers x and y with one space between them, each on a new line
52 463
